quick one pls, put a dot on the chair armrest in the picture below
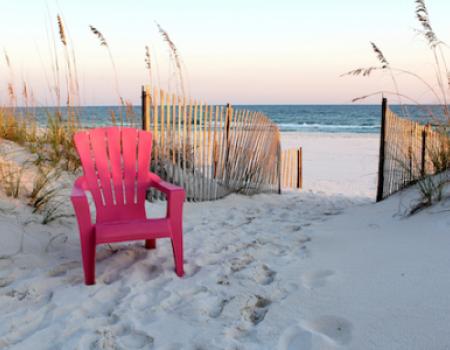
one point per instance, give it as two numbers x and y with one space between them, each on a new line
153 177
163 186
81 205
167 188
175 196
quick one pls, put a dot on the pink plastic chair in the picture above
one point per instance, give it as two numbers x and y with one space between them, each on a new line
116 166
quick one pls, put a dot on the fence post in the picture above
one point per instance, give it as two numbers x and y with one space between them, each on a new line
299 168
227 137
215 159
279 166
143 107
146 108
382 150
410 155
423 150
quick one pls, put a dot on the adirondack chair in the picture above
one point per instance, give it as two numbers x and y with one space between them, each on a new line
116 167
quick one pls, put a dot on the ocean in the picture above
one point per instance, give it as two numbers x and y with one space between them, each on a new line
323 118
289 118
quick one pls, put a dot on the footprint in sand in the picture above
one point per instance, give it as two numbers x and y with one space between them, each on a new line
295 338
295 228
256 309
335 329
332 212
325 332
240 263
63 268
122 337
105 340
316 279
262 274
223 280
5 281
133 339
213 306
304 239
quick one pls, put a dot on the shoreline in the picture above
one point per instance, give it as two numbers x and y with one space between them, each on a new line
324 133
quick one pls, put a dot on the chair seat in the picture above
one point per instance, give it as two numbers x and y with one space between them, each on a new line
119 231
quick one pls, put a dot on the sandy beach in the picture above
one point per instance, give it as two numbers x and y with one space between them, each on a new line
321 268
338 163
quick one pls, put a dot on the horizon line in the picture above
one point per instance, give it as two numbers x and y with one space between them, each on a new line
237 104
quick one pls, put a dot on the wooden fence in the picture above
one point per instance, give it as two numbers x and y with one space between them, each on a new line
291 168
212 151
406 152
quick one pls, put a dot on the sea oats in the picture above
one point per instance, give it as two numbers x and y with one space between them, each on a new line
62 33
99 35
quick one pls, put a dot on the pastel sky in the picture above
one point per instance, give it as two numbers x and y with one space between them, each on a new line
255 52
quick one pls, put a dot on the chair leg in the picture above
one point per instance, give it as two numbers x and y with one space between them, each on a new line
88 255
150 244
177 245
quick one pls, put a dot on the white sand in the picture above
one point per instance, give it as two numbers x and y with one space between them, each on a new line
337 163
305 270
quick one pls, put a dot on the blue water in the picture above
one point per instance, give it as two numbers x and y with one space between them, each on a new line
323 118
305 118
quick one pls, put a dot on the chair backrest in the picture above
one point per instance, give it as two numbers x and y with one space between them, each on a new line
116 165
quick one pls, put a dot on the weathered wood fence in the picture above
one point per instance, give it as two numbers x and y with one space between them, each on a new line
407 150
212 151
292 168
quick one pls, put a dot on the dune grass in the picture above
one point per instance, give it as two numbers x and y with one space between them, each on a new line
430 186
51 142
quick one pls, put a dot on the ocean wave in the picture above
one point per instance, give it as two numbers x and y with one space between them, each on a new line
327 126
